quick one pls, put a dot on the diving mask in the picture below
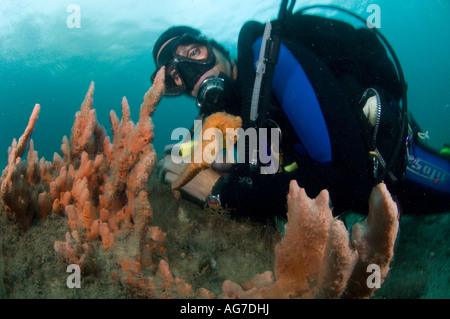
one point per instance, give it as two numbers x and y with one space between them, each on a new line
186 59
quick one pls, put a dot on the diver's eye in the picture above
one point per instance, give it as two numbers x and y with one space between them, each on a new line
198 52
193 51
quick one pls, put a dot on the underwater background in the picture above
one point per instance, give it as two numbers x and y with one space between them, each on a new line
46 60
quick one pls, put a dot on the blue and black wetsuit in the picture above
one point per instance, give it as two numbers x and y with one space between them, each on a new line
318 83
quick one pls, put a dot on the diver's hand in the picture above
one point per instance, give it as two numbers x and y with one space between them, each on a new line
199 187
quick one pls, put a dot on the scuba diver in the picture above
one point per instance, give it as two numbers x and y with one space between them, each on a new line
336 94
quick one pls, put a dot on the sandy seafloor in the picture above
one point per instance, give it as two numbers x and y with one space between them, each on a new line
205 248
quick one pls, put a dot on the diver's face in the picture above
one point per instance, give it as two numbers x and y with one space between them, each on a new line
197 51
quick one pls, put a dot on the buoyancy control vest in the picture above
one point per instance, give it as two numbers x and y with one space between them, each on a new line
357 61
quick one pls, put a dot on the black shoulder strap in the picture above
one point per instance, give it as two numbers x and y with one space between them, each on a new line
271 58
262 105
